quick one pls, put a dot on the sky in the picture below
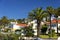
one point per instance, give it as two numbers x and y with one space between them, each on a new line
16 9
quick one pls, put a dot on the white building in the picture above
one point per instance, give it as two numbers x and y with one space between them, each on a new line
19 26
54 25
15 26
34 25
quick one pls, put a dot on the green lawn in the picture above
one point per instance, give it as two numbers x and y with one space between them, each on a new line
46 36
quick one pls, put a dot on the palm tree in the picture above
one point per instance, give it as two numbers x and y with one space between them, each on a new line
50 12
56 14
37 14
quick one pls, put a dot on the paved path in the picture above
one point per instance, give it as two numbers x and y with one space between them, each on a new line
49 39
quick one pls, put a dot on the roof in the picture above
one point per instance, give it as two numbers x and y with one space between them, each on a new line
53 21
23 25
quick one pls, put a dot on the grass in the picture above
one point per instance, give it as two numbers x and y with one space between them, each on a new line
46 36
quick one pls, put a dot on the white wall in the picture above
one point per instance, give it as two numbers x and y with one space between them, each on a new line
58 24
15 27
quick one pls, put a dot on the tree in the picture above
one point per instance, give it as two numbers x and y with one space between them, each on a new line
50 11
28 31
12 20
19 20
44 29
56 14
4 21
37 14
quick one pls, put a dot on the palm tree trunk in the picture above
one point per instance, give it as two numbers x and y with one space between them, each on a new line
50 25
57 24
38 28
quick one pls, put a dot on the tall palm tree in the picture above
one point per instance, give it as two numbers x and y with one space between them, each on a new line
56 14
50 12
37 14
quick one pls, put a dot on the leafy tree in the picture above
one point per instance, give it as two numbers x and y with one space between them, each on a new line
53 33
12 20
19 20
37 14
44 29
4 21
28 31
0 22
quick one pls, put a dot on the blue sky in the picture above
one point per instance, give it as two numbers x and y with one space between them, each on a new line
20 8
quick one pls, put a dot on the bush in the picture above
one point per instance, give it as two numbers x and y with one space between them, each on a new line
51 33
29 32
44 29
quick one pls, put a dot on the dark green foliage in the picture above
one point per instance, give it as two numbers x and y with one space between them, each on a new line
52 33
12 20
29 32
19 20
49 34
37 14
4 21
44 29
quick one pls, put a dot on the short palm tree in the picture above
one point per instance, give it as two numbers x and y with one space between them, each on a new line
37 14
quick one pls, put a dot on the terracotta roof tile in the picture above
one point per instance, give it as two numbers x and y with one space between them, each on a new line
23 25
53 21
